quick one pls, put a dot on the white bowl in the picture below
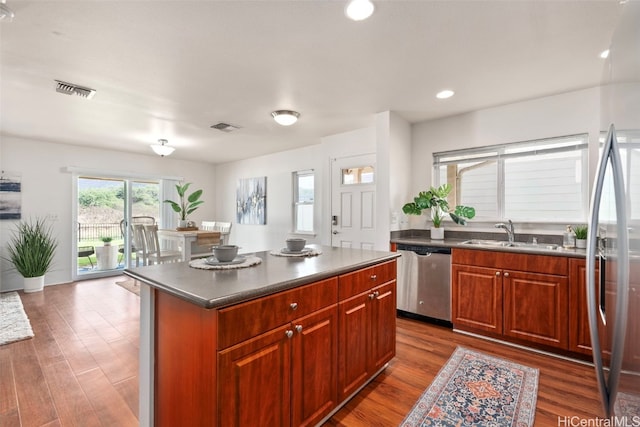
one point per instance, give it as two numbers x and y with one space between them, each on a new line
295 244
225 253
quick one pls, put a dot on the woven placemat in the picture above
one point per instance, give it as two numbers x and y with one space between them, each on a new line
312 252
201 263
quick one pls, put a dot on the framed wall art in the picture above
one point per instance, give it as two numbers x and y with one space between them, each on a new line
251 201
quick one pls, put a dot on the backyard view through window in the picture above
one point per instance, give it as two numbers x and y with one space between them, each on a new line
303 191
538 181
102 204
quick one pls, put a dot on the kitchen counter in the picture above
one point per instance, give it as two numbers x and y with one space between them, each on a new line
458 242
217 288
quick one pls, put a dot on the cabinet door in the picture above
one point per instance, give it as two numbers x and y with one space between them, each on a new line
579 334
255 380
476 298
315 359
354 343
384 325
536 308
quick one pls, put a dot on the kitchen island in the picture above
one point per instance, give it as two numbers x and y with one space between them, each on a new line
284 342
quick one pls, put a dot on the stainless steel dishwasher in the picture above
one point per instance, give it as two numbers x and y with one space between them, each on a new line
424 281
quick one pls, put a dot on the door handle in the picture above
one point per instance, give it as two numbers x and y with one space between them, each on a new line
335 231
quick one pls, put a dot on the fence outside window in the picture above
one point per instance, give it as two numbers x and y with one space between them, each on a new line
96 231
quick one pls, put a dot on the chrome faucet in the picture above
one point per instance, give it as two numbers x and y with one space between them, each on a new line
509 229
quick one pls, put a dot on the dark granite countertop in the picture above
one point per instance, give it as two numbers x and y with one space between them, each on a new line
218 288
548 245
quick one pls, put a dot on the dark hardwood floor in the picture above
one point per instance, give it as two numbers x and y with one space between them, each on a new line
81 368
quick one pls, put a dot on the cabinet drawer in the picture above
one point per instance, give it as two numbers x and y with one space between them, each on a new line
351 284
243 321
545 264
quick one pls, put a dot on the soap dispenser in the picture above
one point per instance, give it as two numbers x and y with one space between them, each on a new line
569 238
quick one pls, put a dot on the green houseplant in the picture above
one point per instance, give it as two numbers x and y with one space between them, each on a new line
31 250
581 232
187 204
106 240
435 199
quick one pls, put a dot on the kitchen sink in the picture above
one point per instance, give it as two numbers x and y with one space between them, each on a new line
505 244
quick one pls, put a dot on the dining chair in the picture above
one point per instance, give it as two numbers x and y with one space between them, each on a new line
141 219
155 254
139 244
225 229
86 251
208 225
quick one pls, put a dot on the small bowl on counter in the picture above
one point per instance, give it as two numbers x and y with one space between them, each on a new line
225 253
295 244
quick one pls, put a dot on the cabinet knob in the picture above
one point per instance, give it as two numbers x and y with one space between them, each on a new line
376 294
506 274
293 305
374 277
497 273
298 328
289 333
371 296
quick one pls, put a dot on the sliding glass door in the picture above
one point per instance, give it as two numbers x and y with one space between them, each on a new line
105 206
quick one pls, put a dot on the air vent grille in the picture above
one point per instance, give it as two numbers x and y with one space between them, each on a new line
70 89
225 127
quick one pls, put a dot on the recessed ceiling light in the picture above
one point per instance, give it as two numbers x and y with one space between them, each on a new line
444 94
604 54
285 117
359 10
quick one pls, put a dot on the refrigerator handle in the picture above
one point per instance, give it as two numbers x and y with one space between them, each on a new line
592 302
602 287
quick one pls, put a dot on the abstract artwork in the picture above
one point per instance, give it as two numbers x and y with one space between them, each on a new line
10 196
251 201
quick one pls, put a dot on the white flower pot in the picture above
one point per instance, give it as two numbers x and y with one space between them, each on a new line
581 243
437 233
33 284
182 223
107 257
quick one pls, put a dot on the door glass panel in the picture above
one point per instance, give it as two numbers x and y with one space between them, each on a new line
358 175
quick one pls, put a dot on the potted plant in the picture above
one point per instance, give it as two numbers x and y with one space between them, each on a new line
106 241
581 232
187 204
31 250
436 200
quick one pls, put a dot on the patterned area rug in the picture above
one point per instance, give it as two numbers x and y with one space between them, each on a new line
14 323
475 389
130 285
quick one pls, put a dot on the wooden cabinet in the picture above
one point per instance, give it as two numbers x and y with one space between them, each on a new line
367 326
276 360
579 332
285 376
521 296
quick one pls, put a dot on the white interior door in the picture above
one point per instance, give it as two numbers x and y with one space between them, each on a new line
353 200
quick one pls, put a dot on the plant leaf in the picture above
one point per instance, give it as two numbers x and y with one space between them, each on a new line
194 196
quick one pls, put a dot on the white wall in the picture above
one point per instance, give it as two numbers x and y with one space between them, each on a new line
47 190
565 114
278 169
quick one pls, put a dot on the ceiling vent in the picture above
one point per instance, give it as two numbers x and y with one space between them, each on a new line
225 127
70 89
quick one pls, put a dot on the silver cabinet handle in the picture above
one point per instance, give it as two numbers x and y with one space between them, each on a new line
371 296
497 273
506 274
293 305
374 277
376 294
289 333
298 328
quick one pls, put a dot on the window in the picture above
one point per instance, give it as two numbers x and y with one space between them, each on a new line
542 180
303 195
361 175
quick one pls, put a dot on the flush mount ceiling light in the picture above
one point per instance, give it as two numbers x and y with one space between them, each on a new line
162 149
6 14
444 94
359 10
285 117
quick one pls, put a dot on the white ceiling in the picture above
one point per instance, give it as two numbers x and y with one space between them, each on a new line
171 69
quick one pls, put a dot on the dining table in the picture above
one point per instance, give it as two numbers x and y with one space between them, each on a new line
185 239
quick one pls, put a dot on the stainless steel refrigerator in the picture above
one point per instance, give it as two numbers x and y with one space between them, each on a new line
613 248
